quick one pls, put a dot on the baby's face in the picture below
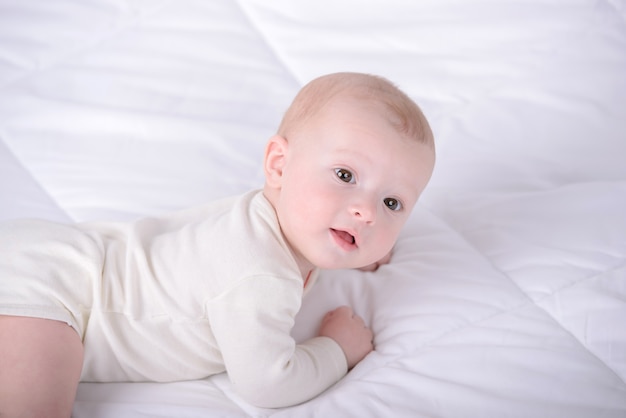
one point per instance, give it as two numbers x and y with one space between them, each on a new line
348 186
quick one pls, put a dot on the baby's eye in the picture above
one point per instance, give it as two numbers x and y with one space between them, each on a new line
393 204
344 175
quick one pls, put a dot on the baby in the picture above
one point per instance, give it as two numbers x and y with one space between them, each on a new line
216 288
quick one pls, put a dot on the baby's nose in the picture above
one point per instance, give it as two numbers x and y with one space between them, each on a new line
364 211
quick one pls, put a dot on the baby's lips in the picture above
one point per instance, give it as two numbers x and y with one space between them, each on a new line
346 236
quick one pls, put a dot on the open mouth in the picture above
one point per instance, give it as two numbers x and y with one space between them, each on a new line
345 239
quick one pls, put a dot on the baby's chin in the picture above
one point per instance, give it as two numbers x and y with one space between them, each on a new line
353 260
338 265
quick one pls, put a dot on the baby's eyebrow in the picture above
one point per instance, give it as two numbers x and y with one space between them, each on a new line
344 153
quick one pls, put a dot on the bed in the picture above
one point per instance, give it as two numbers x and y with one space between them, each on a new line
506 294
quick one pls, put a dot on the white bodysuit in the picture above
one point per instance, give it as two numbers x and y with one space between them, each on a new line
177 297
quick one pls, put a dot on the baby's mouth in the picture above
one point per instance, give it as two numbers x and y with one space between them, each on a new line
344 236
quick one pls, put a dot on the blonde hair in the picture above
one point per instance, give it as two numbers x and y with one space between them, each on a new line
402 112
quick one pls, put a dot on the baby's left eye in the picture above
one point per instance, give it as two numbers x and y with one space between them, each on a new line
393 204
344 175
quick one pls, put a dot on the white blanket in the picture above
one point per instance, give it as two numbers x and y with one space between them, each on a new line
506 295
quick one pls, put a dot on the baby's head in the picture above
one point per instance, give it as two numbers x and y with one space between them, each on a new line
350 159
383 97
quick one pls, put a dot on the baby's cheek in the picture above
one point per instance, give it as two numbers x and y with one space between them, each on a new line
391 234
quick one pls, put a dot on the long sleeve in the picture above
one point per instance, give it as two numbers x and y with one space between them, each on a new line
252 323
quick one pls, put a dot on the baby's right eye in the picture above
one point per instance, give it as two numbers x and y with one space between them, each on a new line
344 175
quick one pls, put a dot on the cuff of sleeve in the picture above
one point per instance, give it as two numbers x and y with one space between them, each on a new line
334 353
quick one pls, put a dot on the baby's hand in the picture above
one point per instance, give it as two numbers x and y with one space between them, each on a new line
374 266
350 332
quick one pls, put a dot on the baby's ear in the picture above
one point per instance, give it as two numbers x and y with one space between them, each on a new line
275 159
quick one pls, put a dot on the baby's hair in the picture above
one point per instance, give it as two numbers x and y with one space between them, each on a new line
403 113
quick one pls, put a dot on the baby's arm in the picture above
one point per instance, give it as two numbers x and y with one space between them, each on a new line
251 323
350 332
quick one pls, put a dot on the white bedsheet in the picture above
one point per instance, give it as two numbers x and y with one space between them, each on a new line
506 295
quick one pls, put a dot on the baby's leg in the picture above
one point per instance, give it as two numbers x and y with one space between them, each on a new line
40 366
